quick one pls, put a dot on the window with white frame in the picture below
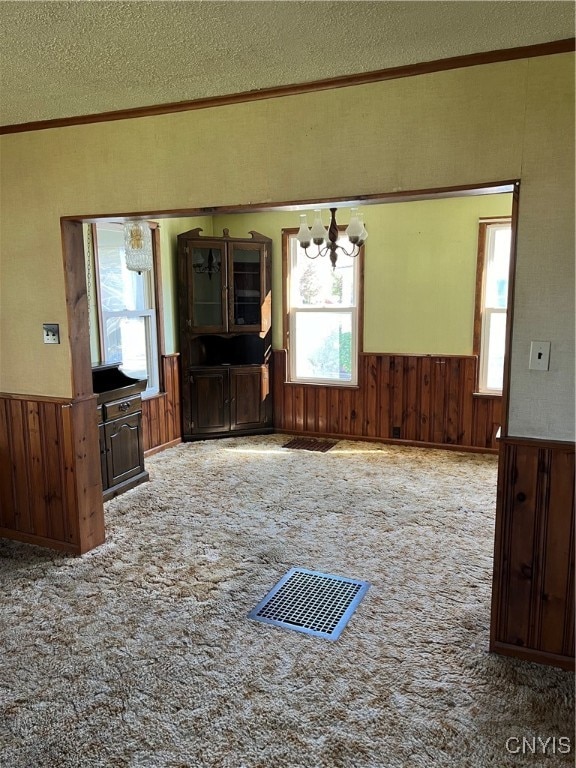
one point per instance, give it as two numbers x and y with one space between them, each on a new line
323 316
126 309
492 302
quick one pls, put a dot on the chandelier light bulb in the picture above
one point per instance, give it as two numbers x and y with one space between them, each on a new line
354 229
318 231
304 235
363 233
136 236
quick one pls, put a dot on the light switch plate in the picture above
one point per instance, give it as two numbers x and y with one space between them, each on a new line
539 356
51 333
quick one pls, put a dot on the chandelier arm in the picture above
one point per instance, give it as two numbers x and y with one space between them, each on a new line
344 251
355 250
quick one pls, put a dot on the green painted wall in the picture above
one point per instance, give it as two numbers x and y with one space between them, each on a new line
169 231
420 274
420 269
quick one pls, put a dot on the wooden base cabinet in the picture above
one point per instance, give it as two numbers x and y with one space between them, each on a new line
124 452
119 412
227 399
250 406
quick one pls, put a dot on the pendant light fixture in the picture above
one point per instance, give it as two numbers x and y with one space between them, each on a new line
138 246
326 241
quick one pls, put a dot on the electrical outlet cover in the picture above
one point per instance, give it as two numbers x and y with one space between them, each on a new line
51 333
539 356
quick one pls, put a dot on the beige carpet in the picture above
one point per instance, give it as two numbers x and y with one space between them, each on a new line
140 653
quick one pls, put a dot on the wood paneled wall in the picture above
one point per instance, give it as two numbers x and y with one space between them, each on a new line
50 483
430 399
161 424
533 587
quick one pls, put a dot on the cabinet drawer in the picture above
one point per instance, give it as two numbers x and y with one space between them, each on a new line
121 408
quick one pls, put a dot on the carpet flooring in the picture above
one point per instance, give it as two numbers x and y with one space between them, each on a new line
140 654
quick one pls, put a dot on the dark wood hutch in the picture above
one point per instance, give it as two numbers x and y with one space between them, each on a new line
225 334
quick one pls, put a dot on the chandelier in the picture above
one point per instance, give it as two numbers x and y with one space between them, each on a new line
202 266
326 241
138 246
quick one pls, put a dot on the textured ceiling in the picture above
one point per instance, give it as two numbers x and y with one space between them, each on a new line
61 59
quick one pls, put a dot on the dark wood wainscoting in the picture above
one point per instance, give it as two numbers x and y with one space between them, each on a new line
50 483
533 589
423 399
161 422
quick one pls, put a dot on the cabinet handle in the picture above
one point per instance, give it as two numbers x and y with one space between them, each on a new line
123 407
191 379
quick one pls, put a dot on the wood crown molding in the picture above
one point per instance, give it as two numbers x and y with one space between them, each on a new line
411 70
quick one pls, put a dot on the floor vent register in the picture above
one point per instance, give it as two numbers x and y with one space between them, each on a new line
318 604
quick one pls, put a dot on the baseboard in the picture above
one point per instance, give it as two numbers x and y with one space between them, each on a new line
127 485
390 441
163 447
530 654
40 541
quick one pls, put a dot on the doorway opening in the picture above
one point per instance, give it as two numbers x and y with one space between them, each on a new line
74 256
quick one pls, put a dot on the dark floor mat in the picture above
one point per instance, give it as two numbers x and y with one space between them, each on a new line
310 444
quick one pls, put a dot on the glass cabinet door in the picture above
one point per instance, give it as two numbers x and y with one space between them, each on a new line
245 287
207 269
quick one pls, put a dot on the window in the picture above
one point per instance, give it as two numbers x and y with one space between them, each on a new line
126 309
322 315
493 268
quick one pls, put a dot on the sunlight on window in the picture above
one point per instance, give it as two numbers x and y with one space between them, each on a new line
128 316
496 339
498 238
323 312
125 341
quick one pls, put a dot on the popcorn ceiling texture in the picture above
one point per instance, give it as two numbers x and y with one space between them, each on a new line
61 59
140 654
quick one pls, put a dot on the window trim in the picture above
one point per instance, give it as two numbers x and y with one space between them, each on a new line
480 316
287 233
